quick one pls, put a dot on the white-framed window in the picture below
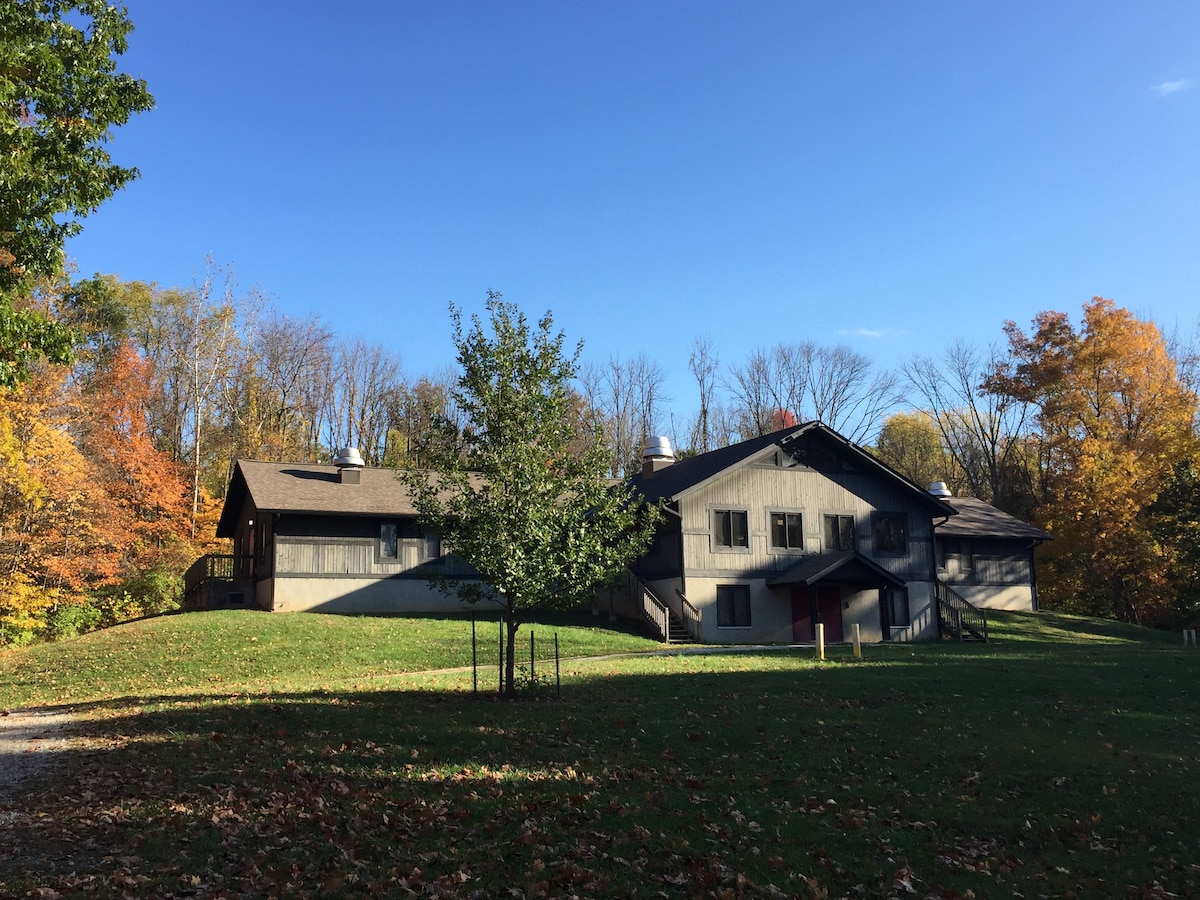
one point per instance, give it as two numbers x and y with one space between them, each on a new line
787 531
733 606
839 532
731 529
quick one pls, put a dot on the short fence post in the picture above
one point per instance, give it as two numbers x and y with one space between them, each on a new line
474 659
531 678
820 640
857 642
557 674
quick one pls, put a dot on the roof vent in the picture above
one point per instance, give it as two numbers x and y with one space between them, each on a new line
349 462
940 489
657 455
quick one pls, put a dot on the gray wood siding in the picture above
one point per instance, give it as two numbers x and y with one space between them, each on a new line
760 490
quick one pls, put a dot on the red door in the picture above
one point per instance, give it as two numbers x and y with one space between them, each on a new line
829 610
802 631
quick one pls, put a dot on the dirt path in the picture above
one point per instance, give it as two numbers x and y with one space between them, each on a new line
29 741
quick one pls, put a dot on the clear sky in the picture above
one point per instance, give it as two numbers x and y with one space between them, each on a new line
888 175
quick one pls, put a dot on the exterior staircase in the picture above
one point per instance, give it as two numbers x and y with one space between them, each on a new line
958 618
673 627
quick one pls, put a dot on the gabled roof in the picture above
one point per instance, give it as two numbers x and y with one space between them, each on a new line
305 488
978 519
687 475
836 565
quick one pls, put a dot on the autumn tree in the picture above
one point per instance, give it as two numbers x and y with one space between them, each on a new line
60 98
533 518
911 443
1113 421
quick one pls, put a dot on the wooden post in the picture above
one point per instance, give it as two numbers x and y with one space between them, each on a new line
474 659
531 678
820 640
857 642
557 673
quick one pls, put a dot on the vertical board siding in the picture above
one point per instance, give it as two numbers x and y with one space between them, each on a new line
762 489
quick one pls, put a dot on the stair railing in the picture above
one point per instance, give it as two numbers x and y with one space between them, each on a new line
650 607
957 616
689 615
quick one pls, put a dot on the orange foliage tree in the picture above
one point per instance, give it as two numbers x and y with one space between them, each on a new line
1114 420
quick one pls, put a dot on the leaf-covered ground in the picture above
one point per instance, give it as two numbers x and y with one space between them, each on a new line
1055 766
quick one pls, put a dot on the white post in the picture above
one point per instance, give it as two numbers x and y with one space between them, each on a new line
857 642
1187 636
820 640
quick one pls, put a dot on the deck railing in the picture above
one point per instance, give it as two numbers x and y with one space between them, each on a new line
215 567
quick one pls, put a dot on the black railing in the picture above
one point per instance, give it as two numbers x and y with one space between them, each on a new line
202 574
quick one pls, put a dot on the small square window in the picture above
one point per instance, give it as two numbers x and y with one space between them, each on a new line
733 606
787 531
730 528
890 533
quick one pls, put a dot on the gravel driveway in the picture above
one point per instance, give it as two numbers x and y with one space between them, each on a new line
29 740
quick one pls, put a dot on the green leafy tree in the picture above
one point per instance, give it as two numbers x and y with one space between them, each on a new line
518 496
60 96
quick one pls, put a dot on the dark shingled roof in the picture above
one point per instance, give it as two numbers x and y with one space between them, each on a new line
304 488
686 473
978 519
682 476
836 565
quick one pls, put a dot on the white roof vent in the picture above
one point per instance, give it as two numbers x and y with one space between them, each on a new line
940 489
658 448
349 458
657 455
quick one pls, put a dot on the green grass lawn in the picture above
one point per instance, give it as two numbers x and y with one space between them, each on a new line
1058 760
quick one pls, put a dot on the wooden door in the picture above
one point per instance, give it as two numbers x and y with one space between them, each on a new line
802 631
829 610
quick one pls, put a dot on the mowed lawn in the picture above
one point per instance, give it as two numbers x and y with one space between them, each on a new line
246 755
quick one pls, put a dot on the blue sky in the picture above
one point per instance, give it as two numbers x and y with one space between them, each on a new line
888 175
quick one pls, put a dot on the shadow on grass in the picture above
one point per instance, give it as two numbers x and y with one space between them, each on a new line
952 768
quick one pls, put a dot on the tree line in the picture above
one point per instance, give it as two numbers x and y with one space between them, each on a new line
123 405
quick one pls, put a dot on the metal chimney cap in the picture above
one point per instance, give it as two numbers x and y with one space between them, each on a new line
658 447
349 458
940 489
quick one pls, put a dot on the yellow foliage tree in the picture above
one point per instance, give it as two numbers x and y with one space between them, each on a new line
1114 421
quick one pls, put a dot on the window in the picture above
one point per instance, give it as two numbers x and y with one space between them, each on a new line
733 606
388 544
889 531
730 529
956 557
431 544
896 607
787 531
839 532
